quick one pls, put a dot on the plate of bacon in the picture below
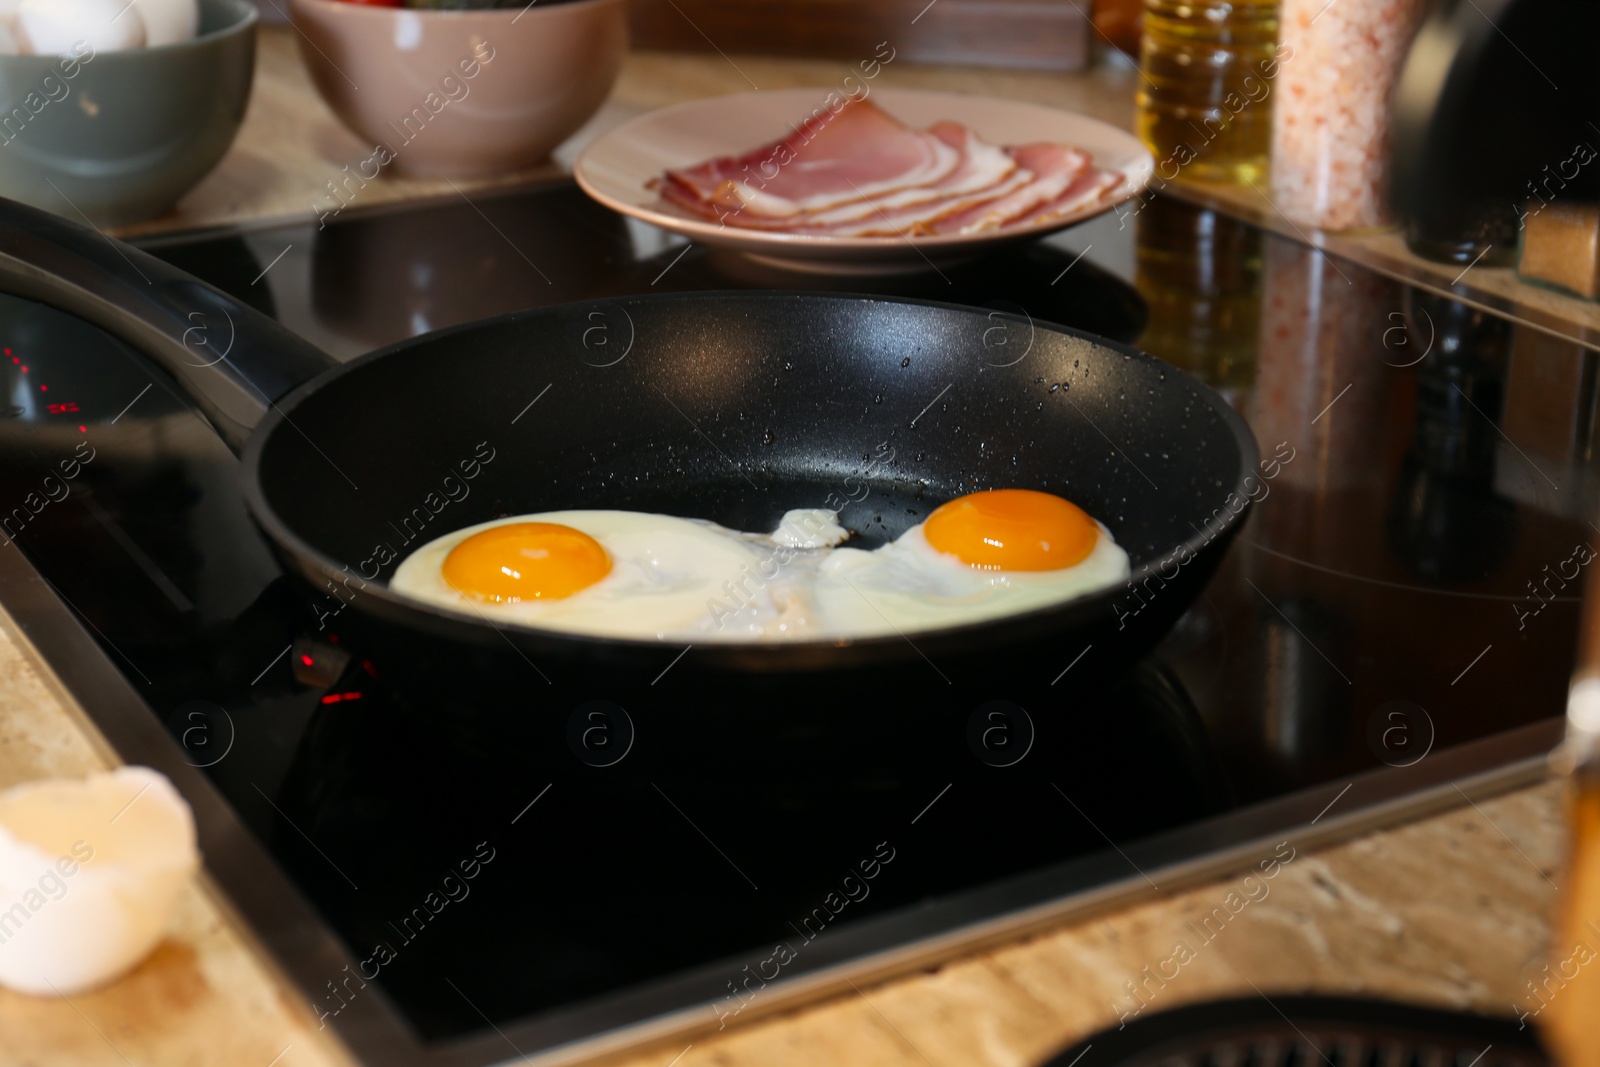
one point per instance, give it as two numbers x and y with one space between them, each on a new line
902 180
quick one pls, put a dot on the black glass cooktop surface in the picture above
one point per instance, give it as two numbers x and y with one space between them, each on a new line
1407 585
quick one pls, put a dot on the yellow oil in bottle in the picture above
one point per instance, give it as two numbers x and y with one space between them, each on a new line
1205 97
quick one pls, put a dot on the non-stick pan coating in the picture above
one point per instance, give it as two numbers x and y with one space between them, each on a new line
736 407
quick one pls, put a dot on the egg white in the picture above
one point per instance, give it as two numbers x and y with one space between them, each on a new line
908 585
691 580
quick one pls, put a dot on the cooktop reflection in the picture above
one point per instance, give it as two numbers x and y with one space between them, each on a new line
1407 585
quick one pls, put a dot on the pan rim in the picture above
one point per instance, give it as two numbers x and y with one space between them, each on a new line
328 568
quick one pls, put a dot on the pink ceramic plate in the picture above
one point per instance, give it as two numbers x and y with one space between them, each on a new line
616 168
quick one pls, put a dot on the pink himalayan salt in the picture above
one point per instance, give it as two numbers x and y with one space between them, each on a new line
1331 120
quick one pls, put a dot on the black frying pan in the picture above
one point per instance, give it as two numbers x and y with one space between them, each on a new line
728 406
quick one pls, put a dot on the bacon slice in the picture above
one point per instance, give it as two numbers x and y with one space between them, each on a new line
981 166
985 172
1054 167
860 173
1088 187
832 158
920 219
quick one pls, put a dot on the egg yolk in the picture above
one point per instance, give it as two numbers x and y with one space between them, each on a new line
525 561
1012 530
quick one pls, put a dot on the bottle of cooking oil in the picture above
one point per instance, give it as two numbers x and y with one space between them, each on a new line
1208 76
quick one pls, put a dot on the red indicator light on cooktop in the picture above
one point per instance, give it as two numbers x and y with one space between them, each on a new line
339 698
44 388
62 409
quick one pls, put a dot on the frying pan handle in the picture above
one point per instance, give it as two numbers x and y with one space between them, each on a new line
230 359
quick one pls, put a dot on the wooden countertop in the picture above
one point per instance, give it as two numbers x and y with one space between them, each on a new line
1448 910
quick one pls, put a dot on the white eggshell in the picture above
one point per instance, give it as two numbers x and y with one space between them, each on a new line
55 27
168 21
90 873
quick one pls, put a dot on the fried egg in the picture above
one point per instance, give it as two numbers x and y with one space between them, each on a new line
627 574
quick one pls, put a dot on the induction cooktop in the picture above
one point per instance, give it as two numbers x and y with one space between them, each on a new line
1391 633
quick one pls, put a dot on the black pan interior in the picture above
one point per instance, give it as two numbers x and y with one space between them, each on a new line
737 407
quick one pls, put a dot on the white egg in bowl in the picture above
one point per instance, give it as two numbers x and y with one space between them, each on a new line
90 872
642 576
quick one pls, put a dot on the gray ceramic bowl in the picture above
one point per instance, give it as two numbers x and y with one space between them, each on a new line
118 137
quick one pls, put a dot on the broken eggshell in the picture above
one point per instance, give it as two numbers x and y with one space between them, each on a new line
90 872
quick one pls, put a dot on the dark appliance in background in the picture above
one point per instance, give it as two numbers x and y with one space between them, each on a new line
1494 97
1333 673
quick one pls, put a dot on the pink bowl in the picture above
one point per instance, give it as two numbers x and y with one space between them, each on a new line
462 92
